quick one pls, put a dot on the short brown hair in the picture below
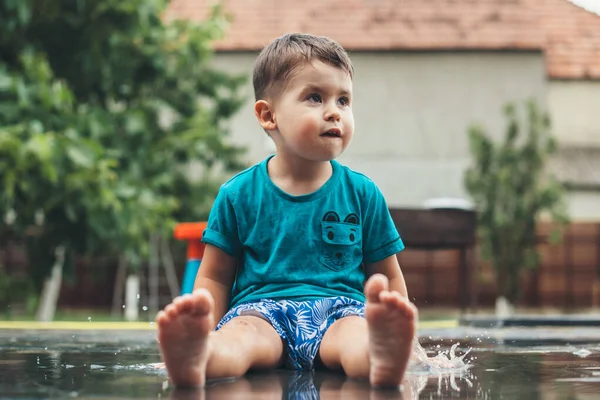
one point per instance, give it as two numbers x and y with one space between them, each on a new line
279 59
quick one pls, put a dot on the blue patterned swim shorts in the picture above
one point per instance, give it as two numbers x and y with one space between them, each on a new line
300 324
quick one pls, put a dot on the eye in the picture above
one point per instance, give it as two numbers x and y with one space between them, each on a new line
352 237
344 101
314 98
330 235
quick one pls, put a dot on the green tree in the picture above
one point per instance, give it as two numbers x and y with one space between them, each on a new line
104 105
511 188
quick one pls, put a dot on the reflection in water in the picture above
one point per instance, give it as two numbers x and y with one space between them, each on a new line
278 385
310 385
445 367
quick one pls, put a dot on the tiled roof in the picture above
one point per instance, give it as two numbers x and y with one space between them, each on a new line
569 35
572 42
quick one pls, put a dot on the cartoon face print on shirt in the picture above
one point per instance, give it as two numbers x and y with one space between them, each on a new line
341 245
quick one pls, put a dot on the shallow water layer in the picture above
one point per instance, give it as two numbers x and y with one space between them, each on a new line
58 365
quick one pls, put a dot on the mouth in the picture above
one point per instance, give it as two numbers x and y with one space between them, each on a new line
332 133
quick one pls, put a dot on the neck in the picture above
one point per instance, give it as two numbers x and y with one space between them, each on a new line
300 170
298 177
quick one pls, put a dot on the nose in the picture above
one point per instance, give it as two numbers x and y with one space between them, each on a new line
332 113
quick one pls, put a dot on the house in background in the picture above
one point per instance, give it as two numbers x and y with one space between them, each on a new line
425 70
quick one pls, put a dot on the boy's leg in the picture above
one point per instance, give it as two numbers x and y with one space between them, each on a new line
192 352
378 347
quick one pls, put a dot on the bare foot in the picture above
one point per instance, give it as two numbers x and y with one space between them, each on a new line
391 320
183 329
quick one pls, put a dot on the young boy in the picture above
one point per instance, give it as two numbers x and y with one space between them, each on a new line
291 241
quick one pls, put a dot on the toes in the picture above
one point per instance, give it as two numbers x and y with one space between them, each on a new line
391 297
170 310
161 318
407 308
183 303
376 284
414 313
201 293
396 301
204 302
198 303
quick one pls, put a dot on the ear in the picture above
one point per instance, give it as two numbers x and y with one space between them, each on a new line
264 113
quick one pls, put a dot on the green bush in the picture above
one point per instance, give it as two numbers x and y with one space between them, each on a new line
16 293
103 106
511 188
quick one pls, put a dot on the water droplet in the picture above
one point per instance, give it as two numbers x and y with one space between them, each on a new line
138 296
89 319
123 305
582 353
151 323
145 308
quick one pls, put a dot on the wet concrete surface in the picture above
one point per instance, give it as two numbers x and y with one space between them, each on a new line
515 363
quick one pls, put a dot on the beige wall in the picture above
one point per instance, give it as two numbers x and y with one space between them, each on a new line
575 111
584 206
412 112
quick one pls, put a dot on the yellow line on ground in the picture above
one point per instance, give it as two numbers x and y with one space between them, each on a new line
452 323
75 325
92 326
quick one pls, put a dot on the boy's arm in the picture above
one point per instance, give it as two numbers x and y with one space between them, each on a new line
216 274
391 269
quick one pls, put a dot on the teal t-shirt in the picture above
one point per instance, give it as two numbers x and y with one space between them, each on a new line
301 247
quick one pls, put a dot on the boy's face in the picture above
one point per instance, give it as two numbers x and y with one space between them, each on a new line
313 115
